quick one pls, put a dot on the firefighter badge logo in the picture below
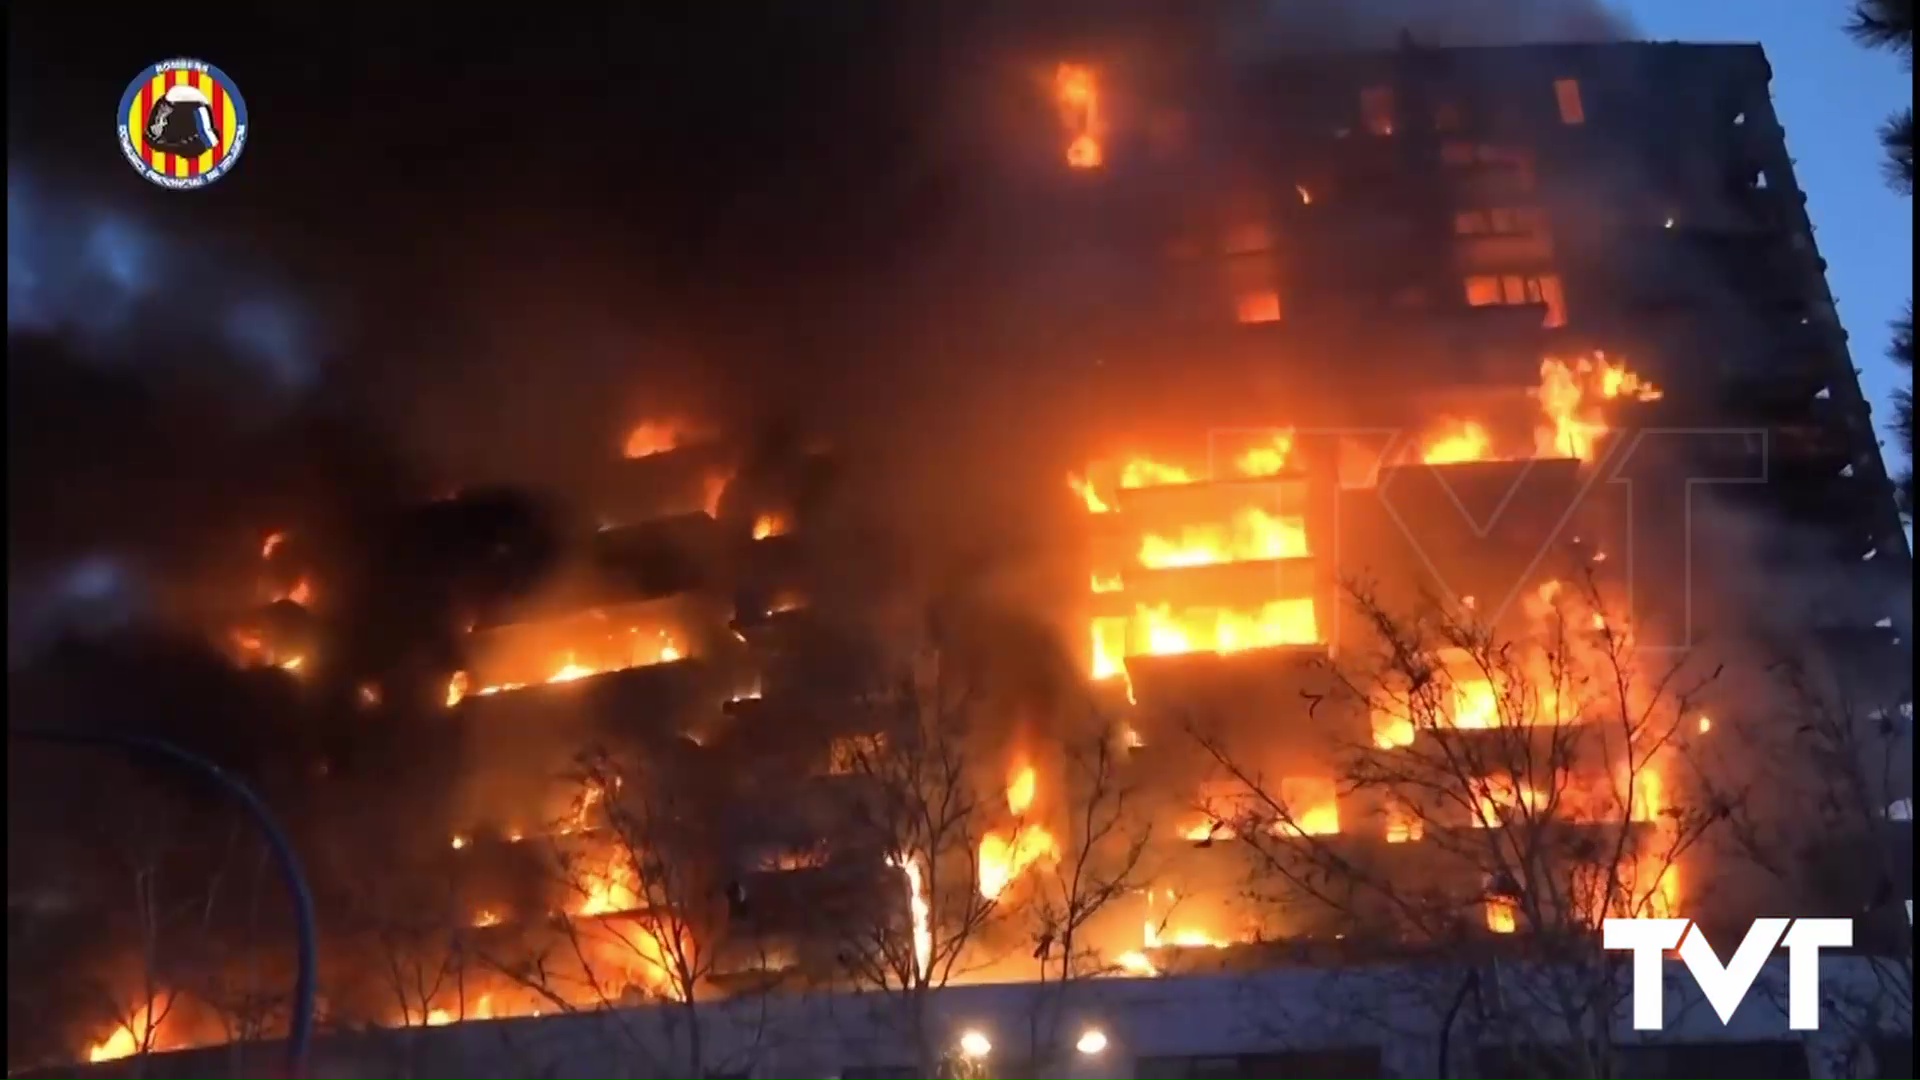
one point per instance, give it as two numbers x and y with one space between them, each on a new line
182 123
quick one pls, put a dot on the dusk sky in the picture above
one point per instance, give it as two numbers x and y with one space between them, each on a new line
1832 96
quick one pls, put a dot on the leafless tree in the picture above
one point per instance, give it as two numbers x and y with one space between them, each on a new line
131 972
1823 810
921 807
1521 787
643 927
1101 860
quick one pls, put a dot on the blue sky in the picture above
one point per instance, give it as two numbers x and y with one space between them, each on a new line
1832 96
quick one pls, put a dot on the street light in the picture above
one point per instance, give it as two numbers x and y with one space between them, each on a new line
975 1044
1092 1041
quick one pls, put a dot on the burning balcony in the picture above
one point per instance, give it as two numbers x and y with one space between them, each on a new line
569 648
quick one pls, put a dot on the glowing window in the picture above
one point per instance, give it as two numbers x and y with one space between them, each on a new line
1502 915
1261 306
1567 93
1555 297
1376 110
1515 289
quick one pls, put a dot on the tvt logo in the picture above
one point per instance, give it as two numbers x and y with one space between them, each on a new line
1726 986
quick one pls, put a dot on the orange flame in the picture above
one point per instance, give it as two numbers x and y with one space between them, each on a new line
1649 792
920 909
1207 829
1078 97
1457 441
1253 535
1021 787
650 437
273 542
1095 504
1502 915
610 887
1475 704
1404 825
1005 854
1498 797
1144 472
1571 395
769 525
1158 631
713 489
1156 936
136 1033
1269 459
1314 805
643 651
1392 727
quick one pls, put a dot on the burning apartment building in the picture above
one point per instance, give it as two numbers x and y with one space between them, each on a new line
1462 434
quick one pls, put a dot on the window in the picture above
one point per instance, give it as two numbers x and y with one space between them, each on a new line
1567 93
1260 306
1487 290
1376 110
1251 286
1518 160
1483 291
1499 221
1555 298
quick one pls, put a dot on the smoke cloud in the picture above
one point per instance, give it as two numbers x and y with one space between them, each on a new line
127 290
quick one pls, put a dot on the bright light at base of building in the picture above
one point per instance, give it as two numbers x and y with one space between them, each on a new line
975 1044
1092 1041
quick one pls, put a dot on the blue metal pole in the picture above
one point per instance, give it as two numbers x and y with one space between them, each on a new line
300 1024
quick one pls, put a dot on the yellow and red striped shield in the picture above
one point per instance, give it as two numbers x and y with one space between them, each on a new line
226 111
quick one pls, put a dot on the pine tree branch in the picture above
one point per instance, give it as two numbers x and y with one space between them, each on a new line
1897 136
1884 24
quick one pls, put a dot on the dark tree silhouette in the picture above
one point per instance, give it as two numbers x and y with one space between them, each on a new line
1888 25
